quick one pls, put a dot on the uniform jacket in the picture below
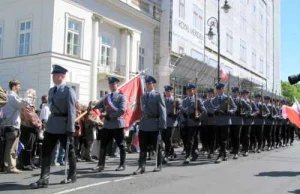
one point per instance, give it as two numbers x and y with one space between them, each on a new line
264 112
154 114
188 111
242 107
171 118
280 120
116 120
225 108
63 102
255 112
271 119
209 118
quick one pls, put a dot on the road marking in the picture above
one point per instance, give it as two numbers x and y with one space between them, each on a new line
93 185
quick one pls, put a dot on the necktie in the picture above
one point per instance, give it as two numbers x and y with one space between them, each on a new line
55 90
111 95
148 94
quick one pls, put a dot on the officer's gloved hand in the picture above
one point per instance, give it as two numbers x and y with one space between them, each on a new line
69 133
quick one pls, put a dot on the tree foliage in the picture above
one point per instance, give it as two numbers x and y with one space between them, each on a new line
290 91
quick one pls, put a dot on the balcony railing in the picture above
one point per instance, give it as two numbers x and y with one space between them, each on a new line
146 6
111 68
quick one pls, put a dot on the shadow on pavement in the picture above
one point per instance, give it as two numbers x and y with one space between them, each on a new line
296 191
279 174
9 186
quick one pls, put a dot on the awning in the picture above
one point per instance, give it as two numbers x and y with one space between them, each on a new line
187 68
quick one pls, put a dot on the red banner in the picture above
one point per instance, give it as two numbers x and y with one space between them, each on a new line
133 92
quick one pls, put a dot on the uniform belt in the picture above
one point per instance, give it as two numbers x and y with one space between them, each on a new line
59 114
151 116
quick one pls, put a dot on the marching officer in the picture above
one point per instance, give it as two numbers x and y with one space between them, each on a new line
246 113
284 128
225 108
208 122
279 124
189 109
274 127
152 123
256 130
60 127
237 122
114 104
269 123
172 108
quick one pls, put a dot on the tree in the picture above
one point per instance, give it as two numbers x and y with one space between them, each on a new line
290 91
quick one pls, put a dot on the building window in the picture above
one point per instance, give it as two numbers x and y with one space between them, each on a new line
253 59
182 9
141 58
243 22
243 51
197 55
197 18
180 50
1 39
261 65
24 37
253 8
106 51
229 41
74 37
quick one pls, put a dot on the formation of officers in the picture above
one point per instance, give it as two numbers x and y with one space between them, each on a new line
235 124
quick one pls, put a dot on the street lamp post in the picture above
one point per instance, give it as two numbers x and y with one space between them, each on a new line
211 22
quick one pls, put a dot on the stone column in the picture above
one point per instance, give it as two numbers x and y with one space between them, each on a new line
95 59
125 51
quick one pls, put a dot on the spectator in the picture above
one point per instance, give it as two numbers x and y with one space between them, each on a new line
11 125
30 125
78 132
91 125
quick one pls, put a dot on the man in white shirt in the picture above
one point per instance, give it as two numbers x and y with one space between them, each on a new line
11 125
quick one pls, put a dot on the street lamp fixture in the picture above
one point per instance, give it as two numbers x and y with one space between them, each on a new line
210 34
214 22
226 7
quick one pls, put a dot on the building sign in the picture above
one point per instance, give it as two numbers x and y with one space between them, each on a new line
187 28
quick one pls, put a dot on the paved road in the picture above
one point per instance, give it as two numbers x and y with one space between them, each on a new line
272 172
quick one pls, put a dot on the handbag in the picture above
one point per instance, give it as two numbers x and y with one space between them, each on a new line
11 133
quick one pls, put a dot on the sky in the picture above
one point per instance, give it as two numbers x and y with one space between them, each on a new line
290 38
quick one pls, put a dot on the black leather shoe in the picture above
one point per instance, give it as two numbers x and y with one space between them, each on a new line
69 180
218 160
41 183
98 169
209 156
225 158
235 157
34 166
27 168
187 161
140 170
157 169
258 151
194 157
121 168
245 154
165 160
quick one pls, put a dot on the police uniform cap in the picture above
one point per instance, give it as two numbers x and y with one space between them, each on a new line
190 87
235 89
267 98
168 88
245 92
57 69
220 86
150 79
112 80
210 90
257 96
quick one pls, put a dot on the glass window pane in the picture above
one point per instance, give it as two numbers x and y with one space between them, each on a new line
21 49
76 39
69 37
68 49
108 52
26 49
75 50
1 30
27 39
70 24
28 24
22 39
22 26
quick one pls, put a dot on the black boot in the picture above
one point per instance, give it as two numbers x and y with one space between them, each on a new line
122 166
101 162
72 178
43 182
142 161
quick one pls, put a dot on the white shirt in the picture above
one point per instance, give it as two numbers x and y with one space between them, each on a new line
11 111
45 112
